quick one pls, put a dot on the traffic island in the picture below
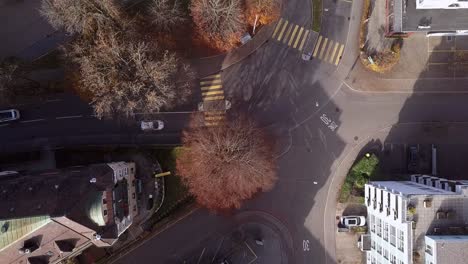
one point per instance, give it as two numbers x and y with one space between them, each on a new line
379 52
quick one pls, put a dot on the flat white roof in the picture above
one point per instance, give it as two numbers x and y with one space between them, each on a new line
441 4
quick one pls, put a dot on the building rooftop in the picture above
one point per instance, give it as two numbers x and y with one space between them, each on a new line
451 249
415 19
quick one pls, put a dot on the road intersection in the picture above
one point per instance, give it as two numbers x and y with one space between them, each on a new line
321 121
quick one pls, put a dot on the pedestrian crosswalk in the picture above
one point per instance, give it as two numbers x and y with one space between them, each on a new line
212 92
290 34
328 50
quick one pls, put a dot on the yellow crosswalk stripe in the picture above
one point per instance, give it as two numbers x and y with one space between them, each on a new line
211 118
287 33
214 76
303 40
215 81
323 48
334 52
330 46
212 93
317 46
298 37
277 27
211 87
214 113
293 35
211 124
339 54
220 97
285 24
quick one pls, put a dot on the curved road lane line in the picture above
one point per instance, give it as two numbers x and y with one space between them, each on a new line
69 117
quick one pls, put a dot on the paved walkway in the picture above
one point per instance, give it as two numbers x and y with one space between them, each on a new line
214 64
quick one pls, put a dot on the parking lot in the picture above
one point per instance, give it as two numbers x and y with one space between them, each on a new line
447 57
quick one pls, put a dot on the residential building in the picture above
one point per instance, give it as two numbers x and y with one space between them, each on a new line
446 249
48 216
434 17
402 213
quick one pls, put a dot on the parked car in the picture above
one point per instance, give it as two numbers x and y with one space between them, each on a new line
350 221
9 115
413 158
152 125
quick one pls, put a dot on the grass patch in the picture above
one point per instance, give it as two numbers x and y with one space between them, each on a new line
317 15
363 170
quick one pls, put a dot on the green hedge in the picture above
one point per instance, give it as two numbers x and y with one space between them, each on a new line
358 176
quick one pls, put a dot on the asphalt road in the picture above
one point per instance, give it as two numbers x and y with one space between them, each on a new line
319 121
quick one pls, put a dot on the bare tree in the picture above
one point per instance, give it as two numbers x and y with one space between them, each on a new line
266 10
124 76
219 21
228 164
82 16
7 71
166 14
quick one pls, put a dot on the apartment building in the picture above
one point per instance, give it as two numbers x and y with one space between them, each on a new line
52 215
402 213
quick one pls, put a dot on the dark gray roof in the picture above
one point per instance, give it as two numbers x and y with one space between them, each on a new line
437 19
57 193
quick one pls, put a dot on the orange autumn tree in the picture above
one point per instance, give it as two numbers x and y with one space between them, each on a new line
267 11
226 164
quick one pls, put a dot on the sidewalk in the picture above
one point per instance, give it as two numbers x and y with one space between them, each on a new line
211 65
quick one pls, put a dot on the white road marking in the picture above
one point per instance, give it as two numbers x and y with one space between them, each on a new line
53 100
32 120
68 117
305 245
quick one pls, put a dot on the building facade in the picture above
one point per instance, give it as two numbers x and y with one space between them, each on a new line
52 215
402 213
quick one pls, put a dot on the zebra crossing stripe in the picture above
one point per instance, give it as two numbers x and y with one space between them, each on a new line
293 35
339 55
298 37
317 47
282 30
303 40
323 48
334 52
277 27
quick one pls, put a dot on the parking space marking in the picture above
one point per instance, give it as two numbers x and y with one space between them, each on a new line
32 120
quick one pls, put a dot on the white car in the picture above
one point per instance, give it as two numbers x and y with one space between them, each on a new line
152 125
9 115
350 221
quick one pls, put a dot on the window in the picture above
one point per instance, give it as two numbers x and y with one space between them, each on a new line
104 201
401 240
385 253
429 250
385 231
373 244
372 223
379 249
392 235
105 212
133 195
379 226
